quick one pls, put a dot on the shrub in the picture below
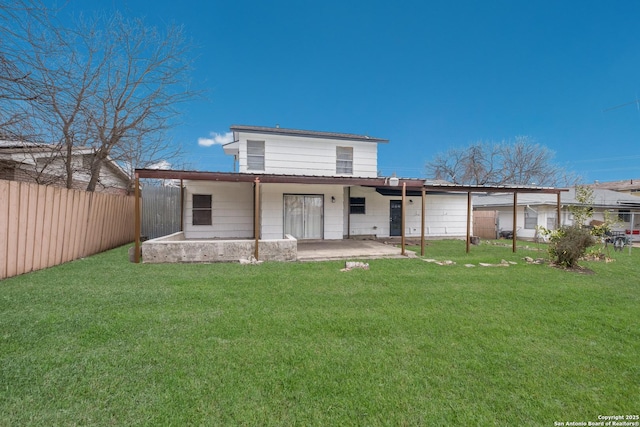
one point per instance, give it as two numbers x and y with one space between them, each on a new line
569 244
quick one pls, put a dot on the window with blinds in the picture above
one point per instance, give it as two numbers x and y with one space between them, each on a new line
344 160
255 155
201 209
357 205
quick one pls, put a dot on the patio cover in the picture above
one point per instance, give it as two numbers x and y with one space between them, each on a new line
402 184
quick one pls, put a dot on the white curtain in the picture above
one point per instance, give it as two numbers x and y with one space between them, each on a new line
293 219
313 217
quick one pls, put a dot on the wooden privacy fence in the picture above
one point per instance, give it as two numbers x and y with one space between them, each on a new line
161 211
485 224
42 226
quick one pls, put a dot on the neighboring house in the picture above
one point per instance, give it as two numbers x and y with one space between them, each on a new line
630 186
535 210
44 164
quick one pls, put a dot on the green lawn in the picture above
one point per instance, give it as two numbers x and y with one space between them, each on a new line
101 341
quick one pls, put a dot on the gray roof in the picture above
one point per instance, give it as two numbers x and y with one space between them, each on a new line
21 144
601 198
307 133
624 185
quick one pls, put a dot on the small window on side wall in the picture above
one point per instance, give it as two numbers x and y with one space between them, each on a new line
357 205
201 209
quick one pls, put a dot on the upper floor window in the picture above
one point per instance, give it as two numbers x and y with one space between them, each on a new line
201 209
344 160
255 155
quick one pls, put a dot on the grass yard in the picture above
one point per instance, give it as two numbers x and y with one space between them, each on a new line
101 341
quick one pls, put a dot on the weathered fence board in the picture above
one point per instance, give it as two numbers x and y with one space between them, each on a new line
4 229
42 226
161 211
485 224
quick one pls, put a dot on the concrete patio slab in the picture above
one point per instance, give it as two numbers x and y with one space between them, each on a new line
324 250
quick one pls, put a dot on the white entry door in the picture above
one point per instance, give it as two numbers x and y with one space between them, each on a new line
303 216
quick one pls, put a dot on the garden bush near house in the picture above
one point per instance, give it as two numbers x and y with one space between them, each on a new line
568 244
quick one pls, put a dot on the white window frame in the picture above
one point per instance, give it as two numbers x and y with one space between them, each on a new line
202 209
255 155
344 160
358 204
530 218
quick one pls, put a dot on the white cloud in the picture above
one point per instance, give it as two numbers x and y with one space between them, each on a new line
216 138
162 164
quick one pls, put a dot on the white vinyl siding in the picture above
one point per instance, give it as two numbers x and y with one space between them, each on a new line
231 210
344 160
446 215
289 155
255 155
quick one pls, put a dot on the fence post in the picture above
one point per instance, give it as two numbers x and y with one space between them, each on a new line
136 226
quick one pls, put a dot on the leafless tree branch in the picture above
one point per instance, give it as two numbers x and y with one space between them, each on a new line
518 162
108 82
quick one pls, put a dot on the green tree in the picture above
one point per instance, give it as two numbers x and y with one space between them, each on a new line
583 210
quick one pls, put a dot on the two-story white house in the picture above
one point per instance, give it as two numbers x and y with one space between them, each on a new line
313 185
294 185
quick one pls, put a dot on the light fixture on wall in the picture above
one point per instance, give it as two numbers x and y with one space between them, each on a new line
333 199
410 201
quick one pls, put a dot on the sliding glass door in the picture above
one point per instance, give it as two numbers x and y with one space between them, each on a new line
303 216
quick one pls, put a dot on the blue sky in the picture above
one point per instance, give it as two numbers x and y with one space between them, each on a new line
426 75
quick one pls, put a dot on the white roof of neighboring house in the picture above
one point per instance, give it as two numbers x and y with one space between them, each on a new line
601 198
624 185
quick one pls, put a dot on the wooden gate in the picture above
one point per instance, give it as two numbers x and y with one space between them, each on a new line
485 224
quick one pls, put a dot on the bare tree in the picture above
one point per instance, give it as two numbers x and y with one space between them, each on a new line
520 162
16 81
144 80
110 83
526 162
